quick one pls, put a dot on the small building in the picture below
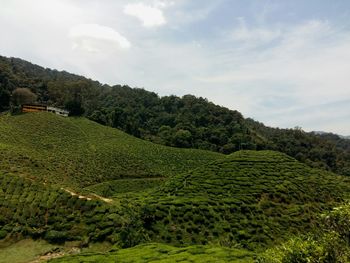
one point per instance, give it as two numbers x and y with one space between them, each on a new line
41 107
33 108
58 111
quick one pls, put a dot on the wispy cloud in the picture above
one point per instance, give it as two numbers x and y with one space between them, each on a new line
305 65
255 36
91 37
150 16
284 63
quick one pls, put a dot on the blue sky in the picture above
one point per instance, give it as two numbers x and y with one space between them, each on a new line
285 63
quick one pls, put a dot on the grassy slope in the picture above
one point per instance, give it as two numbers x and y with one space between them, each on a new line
24 251
78 152
251 198
165 254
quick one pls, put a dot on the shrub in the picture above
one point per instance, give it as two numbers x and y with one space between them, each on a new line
3 233
56 236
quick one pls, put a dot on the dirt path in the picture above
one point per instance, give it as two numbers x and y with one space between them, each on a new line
52 255
107 200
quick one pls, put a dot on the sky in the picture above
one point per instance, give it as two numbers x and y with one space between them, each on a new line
284 63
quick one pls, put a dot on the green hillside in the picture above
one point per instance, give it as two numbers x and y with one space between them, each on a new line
160 253
187 121
76 152
196 200
249 198
31 209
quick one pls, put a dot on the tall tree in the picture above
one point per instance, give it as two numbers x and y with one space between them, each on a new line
23 96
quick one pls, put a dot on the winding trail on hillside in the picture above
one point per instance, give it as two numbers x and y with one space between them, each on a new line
107 200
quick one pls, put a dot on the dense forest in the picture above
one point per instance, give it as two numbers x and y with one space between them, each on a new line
187 121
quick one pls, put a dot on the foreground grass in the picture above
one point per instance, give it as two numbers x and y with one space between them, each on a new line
24 251
163 253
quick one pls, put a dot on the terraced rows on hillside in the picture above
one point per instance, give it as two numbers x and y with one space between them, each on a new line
78 153
250 198
31 209
161 253
161 194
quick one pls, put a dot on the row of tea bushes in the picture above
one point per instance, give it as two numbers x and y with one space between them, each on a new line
250 198
32 209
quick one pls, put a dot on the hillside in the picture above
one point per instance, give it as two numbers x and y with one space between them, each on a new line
187 121
76 152
160 253
87 181
249 198
39 211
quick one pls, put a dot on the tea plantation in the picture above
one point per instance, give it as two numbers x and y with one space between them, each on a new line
160 253
196 206
252 199
115 187
78 153
31 209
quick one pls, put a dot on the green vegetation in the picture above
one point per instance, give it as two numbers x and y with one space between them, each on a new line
76 152
250 198
24 251
327 244
187 122
211 206
31 209
163 253
121 186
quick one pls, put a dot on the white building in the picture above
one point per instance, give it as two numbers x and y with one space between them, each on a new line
58 111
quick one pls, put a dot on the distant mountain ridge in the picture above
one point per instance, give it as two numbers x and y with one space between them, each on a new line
187 122
324 133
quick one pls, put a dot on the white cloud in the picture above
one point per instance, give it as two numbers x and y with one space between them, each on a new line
305 67
281 72
256 35
149 16
161 4
91 37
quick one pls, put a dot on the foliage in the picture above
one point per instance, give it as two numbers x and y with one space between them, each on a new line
74 107
31 209
250 198
164 253
183 122
23 96
329 244
326 151
329 249
121 186
77 153
4 99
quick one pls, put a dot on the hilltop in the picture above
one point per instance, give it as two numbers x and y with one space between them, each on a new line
187 122
76 152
